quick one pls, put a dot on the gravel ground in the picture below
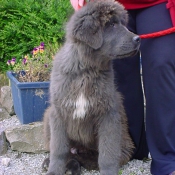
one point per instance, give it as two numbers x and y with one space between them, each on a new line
15 163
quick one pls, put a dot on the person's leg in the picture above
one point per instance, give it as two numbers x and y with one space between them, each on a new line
127 79
158 60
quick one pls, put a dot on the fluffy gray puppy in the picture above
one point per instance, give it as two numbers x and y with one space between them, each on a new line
86 110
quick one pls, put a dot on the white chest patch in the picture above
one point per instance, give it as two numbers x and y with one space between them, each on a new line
81 107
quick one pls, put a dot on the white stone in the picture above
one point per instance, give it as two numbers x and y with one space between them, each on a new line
5 161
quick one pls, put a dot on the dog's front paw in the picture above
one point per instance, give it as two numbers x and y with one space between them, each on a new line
73 167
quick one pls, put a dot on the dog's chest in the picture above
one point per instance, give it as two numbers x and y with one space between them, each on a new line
80 123
86 103
87 97
79 105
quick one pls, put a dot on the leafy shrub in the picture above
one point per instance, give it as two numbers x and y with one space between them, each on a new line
26 23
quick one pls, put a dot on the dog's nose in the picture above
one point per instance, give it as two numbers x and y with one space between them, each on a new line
136 39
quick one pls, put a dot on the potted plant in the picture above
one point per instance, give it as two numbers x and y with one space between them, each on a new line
29 80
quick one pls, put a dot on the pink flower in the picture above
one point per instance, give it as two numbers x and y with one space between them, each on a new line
13 61
24 61
41 48
35 50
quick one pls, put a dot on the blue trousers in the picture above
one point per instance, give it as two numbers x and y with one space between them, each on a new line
158 66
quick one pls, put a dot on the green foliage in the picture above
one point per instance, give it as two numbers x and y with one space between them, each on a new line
120 172
26 23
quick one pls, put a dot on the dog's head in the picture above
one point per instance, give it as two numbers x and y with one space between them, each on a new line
101 25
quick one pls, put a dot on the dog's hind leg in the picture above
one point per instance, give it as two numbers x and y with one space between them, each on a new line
59 145
109 135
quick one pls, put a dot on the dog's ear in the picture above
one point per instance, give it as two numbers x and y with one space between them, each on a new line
89 31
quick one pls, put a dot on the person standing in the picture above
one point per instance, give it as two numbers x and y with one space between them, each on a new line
158 70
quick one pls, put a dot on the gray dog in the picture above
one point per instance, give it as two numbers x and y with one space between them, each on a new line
86 118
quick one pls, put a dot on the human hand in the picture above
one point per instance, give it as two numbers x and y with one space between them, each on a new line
77 4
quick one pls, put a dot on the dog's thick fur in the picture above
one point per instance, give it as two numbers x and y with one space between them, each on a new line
86 112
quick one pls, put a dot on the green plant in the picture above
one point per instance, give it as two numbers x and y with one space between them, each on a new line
120 172
35 66
25 23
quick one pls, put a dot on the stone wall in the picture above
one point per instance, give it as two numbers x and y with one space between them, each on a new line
18 137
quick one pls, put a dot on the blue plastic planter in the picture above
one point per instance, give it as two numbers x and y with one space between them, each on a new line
30 99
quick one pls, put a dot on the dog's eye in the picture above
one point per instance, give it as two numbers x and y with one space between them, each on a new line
113 24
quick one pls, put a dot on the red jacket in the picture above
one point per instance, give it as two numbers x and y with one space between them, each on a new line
137 4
